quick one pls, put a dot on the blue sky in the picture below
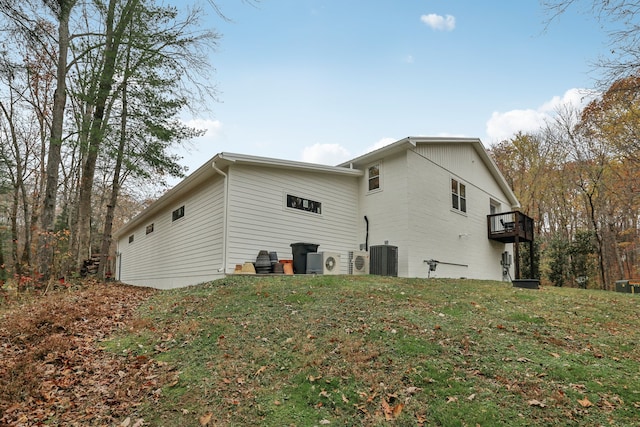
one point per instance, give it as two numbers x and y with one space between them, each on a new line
326 81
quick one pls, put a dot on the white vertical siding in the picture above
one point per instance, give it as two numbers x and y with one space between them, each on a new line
258 218
182 252
441 233
387 209
413 211
463 161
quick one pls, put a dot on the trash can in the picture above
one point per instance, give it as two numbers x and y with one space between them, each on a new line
623 286
300 251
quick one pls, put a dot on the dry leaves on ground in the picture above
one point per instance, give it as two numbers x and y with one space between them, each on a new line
53 369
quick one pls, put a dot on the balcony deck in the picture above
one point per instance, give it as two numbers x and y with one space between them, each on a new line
510 227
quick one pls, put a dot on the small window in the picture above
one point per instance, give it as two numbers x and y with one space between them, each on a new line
149 228
303 204
458 196
131 239
374 177
178 213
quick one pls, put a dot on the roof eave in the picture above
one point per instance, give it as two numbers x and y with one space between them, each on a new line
398 146
287 164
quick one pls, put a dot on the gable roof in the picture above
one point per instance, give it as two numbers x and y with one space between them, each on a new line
412 142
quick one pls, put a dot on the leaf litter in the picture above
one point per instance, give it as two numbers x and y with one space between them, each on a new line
54 369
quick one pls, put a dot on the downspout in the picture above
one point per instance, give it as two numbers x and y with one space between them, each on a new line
224 216
366 241
118 266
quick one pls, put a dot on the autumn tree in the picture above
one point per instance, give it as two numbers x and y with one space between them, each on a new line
148 128
21 152
155 53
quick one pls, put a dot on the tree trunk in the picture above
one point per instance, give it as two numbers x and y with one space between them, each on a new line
14 231
107 239
45 249
17 182
112 43
600 244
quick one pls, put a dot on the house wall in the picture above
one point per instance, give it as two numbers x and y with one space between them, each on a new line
442 233
177 253
387 209
258 218
412 211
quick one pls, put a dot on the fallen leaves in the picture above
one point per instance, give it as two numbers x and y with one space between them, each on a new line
536 402
391 412
585 402
127 422
58 369
205 419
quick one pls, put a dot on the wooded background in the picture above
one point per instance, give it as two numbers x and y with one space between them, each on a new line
90 98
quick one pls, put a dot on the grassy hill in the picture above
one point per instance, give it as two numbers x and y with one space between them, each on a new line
366 350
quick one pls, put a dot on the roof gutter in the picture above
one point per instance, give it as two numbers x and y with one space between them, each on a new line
225 208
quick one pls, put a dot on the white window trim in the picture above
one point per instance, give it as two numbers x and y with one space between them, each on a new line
380 177
184 213
301 211
466 198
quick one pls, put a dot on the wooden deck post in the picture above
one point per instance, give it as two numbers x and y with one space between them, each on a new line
516 255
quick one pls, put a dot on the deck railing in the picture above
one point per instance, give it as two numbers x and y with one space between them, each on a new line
507 226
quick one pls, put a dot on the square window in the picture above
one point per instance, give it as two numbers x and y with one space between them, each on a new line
178 213
149 228
131 239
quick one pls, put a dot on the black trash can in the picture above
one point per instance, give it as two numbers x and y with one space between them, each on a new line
300 251
623 286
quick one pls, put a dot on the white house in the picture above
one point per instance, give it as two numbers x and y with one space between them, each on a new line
427 197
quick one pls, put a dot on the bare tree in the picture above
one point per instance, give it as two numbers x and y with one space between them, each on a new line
621 20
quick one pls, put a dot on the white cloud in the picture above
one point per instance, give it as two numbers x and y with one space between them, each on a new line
325 154
575 97
334 154
439 22
213 128
502 126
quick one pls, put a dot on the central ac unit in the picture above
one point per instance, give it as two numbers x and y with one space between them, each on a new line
358 262
323 263
384 260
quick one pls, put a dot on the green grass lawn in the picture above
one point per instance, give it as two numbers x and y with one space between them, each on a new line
368 350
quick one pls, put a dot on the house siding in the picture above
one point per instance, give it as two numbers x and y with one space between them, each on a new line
439 231
461 160
177 253
238 207
387 209
260 220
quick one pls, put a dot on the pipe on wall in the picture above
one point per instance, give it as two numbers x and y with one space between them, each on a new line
225 204
366 239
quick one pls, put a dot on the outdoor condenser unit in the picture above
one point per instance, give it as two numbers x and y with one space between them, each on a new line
383 260
359 262
323 263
